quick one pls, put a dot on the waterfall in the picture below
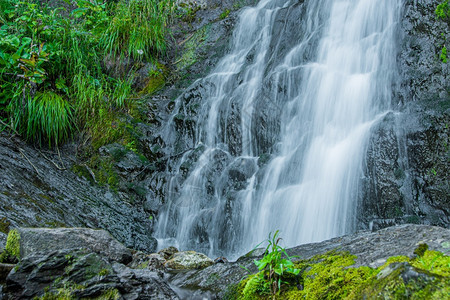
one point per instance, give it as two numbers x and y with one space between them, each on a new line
284 121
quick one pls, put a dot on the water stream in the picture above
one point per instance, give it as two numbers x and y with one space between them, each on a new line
283 126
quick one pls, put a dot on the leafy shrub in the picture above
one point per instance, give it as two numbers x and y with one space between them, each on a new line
275 270
51 64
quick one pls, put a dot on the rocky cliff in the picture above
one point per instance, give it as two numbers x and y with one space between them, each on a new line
408 159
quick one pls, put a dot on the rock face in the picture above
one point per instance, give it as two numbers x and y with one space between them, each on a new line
38 189
44 240
407 167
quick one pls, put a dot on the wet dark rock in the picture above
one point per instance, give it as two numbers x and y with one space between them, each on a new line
152 261
38 189
221 260
142 284
407 166
4 271
43 240
83 274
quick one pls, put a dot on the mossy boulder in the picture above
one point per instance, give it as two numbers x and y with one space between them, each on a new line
339 268
333 276
187 260
80 274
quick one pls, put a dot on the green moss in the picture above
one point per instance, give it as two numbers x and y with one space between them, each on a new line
224 14
60 294
253 287
4 225
112 294
156 81
13 243
189 54
104 171
103 272
11 254
434 262
232 292
143 265
212 278
54 224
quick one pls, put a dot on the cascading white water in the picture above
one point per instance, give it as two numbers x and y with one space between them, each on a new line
328 103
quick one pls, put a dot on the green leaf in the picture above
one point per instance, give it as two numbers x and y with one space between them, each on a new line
14 41
79 12
26 41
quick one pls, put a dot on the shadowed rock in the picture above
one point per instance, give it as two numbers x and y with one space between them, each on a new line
45 240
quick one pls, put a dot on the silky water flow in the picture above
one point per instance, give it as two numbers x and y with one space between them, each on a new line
318 96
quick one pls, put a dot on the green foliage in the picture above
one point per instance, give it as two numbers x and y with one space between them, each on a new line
224 14
443 12
274 269
45 118
52 64
443 55
138 29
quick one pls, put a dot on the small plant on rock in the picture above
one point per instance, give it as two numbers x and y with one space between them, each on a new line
276 268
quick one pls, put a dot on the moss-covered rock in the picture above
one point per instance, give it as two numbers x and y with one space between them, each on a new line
12 249
188 260
332 276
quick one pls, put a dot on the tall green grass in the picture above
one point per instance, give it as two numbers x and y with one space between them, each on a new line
44 118
138 29
75 92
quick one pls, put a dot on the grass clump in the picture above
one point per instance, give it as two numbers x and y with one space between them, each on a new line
138 29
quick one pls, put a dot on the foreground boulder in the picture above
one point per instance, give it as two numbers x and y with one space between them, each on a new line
401 260
45 240
368 249
76 274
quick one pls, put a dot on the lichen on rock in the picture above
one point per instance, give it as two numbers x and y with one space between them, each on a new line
188 260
